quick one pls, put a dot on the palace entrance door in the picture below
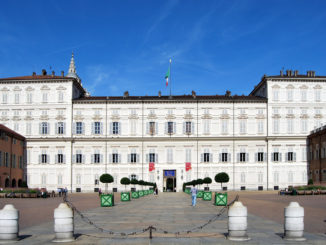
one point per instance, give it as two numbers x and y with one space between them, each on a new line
169 180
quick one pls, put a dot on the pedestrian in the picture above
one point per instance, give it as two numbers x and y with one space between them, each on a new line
59 191
99 192
193 195
156 191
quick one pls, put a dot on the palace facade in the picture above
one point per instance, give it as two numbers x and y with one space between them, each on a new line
260 140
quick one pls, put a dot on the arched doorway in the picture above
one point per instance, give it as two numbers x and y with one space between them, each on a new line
20 183
7 183
13 183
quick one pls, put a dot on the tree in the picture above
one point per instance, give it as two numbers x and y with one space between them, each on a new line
222 178
207 181
200 182
106 178
134 182
125 181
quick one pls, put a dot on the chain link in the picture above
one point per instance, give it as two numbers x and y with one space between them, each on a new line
149 228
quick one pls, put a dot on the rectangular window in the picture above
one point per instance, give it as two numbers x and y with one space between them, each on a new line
20 162
206 157
242 156
224 126
224 157
290 125
260 126
97 158
170 127
60 97
44 128
45 97
152 157
276 127
13 161
275 94
290 95
151 128
206 125
303 95
16 98
304 125
276 156
29 98
44 158
4 98
97 128
290 156
60 158
188 128
133 157
169 155
243 126
79 156
79 127
260 156
6 159
317 95
115 128
60 128
188 155
28 128
115 157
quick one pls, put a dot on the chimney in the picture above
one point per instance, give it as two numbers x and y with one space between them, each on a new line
228 93
53 73
34 73
296 72
287 73
281 73
313 73
126 94
44 72
308 73
291 73
159 94
193 93
62 73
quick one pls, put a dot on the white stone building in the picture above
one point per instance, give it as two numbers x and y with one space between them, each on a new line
73 138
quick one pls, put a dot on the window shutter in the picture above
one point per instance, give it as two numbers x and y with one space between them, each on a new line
137 158
167 155
294 156
110 158
56 129
101 158
147 128
166 127
202 157
156 158
238 157
229 157
83 158
40 128
63 158
129 158
48 126
92 158
147 158
156 127
47 158
265 157
220 157
280 155
74 128
247 157
184 127
93 128
192 128
256 157
286 156
211 157
56 158
119 128
208 126
174 127
101 128
272 157
111 127
83 128
74 158
119 158
40 158
64 127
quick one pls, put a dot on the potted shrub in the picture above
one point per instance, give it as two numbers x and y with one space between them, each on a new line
107 200
221 198
125 196
207 194
141 192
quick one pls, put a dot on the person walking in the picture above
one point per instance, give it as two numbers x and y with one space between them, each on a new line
193 192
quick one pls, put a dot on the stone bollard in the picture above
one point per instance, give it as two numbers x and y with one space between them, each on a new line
63 223
293 222
9 223
237 223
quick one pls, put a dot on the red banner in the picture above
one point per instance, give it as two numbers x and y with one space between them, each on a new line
151 166
188 166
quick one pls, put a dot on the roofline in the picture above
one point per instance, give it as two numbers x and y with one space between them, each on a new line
12 132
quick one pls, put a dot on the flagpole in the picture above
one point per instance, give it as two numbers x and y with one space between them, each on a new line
170 80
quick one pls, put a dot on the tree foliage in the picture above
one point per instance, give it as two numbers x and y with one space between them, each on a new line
106 178
207 180
222 178
125 181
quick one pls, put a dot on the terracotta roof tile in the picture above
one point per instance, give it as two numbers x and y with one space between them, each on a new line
11 132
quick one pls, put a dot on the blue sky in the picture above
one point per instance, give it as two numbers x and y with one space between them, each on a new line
126 45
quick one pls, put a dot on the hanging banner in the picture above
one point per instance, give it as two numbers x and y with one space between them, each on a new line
188 166
151 166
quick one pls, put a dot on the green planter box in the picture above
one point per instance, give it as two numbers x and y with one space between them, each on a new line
141 193
200 194
125 196
145 192
187 190
151 191
107 200
207 196
135 195
221 199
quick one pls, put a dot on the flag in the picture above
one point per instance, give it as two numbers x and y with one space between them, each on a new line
188 166
151 166
167 75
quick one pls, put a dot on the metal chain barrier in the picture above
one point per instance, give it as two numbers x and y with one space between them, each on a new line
149 228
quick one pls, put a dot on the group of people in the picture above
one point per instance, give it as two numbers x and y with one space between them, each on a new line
62 191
